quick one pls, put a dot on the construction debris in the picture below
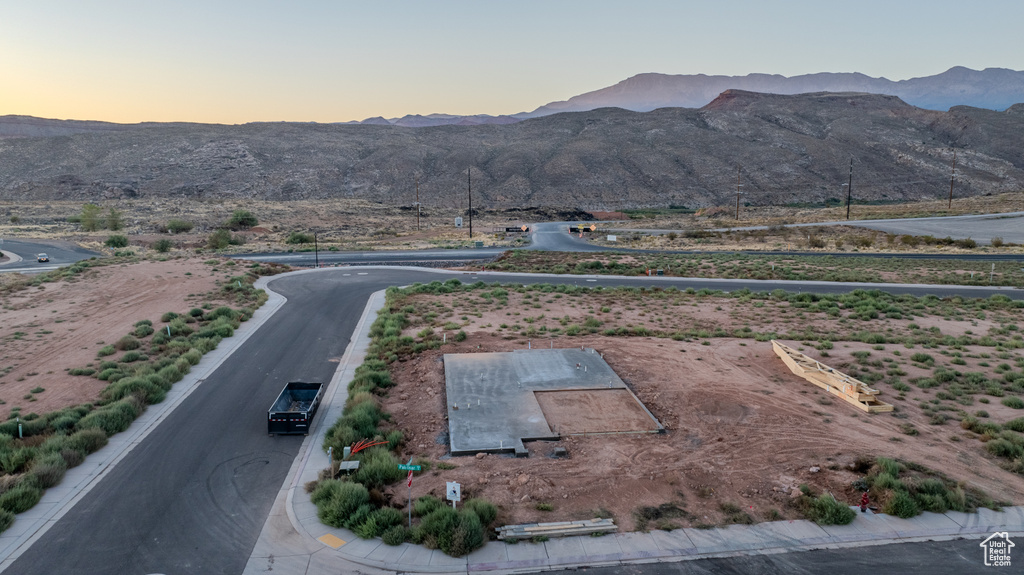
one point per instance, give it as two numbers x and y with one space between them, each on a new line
831 380
558 529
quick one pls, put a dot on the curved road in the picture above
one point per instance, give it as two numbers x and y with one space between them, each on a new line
61 254
193 496
981 227
554 237
546 236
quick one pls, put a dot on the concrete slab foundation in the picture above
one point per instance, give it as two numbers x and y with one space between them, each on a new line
493 405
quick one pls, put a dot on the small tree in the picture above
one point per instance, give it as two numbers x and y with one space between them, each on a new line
179 226
115 220
219 239
116 241
299 238
90 217
163 246
242 220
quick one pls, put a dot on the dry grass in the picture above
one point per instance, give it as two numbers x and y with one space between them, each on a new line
339 224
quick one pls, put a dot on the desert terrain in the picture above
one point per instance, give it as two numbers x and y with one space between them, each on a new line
56 326
349 224
742 430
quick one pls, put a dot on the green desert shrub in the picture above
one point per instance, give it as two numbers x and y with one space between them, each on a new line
484 509
127 342
112 418
395 535
378 468
377 522
241 220
439 523
116 241
14 460
299 238
192 356
468 535
337 500
218 240
179 226
87 440
6 520
143 387
425 505
47 470
901 504
825 510
1013 402
21 497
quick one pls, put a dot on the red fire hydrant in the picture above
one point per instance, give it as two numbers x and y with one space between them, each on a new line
864 502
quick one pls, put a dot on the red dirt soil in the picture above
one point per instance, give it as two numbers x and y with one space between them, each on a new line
63 324
741 429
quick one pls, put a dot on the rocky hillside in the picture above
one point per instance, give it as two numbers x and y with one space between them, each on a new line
789 149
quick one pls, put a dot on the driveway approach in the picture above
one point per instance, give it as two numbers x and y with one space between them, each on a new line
192 496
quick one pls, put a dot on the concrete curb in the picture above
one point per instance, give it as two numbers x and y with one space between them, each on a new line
58 500
15 258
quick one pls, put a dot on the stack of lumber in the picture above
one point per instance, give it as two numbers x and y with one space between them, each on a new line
558 529
831 380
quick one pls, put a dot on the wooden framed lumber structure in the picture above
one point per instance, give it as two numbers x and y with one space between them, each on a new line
831 380
558 529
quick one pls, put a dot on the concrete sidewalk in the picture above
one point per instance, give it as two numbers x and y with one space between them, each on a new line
295 541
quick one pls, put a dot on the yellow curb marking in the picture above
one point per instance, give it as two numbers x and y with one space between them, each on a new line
331 541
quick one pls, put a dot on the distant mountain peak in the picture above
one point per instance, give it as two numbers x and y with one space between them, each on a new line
992 88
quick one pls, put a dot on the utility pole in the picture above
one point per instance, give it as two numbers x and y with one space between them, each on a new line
952 174
417 203
849 190
738 185
316 251
469 184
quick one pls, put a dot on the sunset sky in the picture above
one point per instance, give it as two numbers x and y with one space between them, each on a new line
230 61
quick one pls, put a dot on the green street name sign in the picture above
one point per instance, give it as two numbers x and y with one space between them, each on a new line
405 467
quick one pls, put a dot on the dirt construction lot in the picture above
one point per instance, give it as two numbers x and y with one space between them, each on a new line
743 432
56 326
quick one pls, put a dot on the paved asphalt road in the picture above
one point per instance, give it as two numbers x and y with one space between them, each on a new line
980 227
550 236
193 496
61 253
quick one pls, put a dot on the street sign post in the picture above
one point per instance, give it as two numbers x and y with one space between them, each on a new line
410 468
454 491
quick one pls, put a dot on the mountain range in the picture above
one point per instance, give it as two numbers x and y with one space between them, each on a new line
785 148
992 88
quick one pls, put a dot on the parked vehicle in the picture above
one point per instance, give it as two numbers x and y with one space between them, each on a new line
293 410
